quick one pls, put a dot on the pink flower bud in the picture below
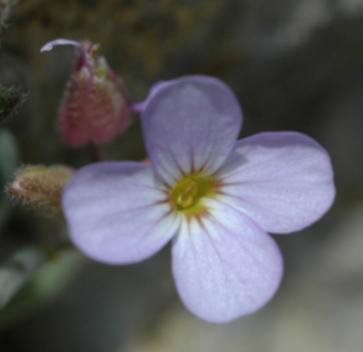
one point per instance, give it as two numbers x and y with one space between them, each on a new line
95 106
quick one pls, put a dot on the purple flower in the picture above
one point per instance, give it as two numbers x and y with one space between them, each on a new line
215 196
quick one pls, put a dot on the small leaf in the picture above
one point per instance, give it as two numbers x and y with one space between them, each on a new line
17 271
8 156
8 164
34 278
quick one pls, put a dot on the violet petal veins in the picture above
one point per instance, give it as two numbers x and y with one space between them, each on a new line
214 196
189 127
224 265
281 180
126 219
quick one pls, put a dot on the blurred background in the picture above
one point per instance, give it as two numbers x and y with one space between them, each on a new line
294 65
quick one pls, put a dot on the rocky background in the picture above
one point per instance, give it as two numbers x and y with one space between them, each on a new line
294 64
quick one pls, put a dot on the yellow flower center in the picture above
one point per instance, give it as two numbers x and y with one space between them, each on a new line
188 193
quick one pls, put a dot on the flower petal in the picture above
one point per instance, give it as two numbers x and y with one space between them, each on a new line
282 180
189 124
224 265
115 214
60 41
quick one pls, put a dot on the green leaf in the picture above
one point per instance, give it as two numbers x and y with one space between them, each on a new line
17 271
8 164
32 278
8 155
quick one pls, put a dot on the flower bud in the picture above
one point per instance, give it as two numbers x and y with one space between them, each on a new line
40 187
95 106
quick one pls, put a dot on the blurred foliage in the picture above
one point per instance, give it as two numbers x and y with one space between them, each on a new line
5 8
16 271
11 99
31 278
141 35
8 163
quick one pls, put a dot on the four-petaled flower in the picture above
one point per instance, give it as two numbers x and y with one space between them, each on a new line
214 195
